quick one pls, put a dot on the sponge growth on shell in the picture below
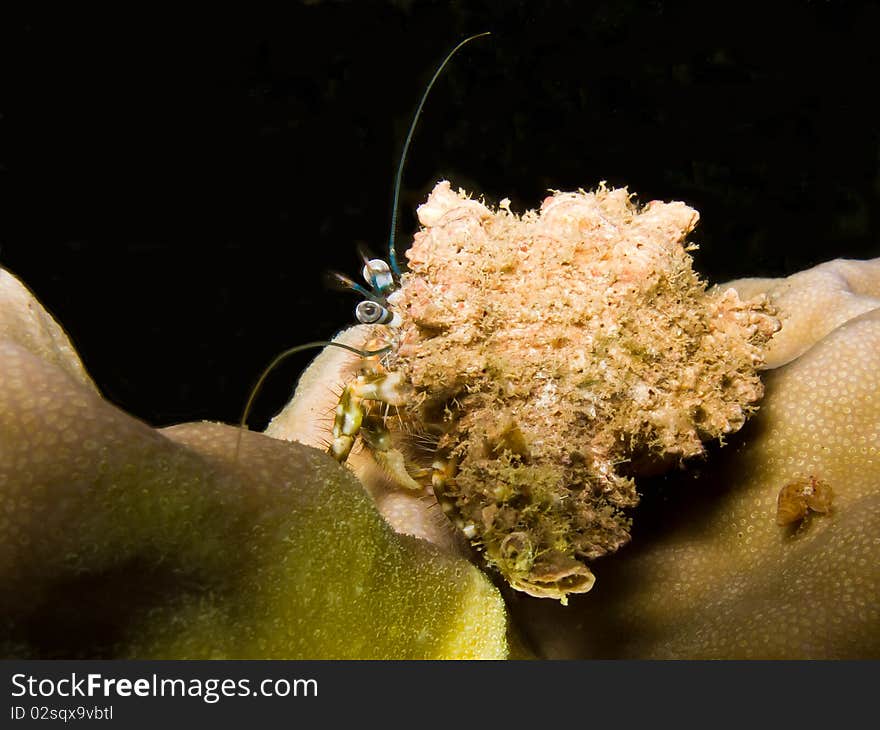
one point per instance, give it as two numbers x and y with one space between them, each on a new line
560 353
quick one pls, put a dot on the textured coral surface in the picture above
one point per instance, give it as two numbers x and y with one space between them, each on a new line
559 353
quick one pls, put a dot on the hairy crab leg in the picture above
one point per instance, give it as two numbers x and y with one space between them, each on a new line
386 388
378 440
442 473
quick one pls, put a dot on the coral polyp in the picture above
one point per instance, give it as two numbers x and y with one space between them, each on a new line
550 358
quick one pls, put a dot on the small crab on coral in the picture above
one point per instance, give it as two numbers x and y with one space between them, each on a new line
800 497
524 369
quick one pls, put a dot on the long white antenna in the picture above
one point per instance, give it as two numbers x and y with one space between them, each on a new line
392 252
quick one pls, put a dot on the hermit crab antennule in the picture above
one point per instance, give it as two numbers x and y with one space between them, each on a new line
341 282
392 252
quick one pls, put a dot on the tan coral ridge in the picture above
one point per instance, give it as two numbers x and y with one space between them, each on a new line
561 353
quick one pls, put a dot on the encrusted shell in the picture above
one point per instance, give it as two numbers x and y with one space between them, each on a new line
561 353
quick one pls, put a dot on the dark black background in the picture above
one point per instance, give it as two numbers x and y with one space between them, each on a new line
173 187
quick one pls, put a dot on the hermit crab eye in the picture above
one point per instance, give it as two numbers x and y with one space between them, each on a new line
378 275
369 312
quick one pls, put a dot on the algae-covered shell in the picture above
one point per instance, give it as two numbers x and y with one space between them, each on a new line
567 350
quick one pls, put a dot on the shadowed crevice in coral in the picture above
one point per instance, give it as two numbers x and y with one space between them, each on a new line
92 615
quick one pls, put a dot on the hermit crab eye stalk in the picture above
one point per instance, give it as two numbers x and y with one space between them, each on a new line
370 312
378 275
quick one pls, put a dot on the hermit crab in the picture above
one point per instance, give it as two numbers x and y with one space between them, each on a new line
524 369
